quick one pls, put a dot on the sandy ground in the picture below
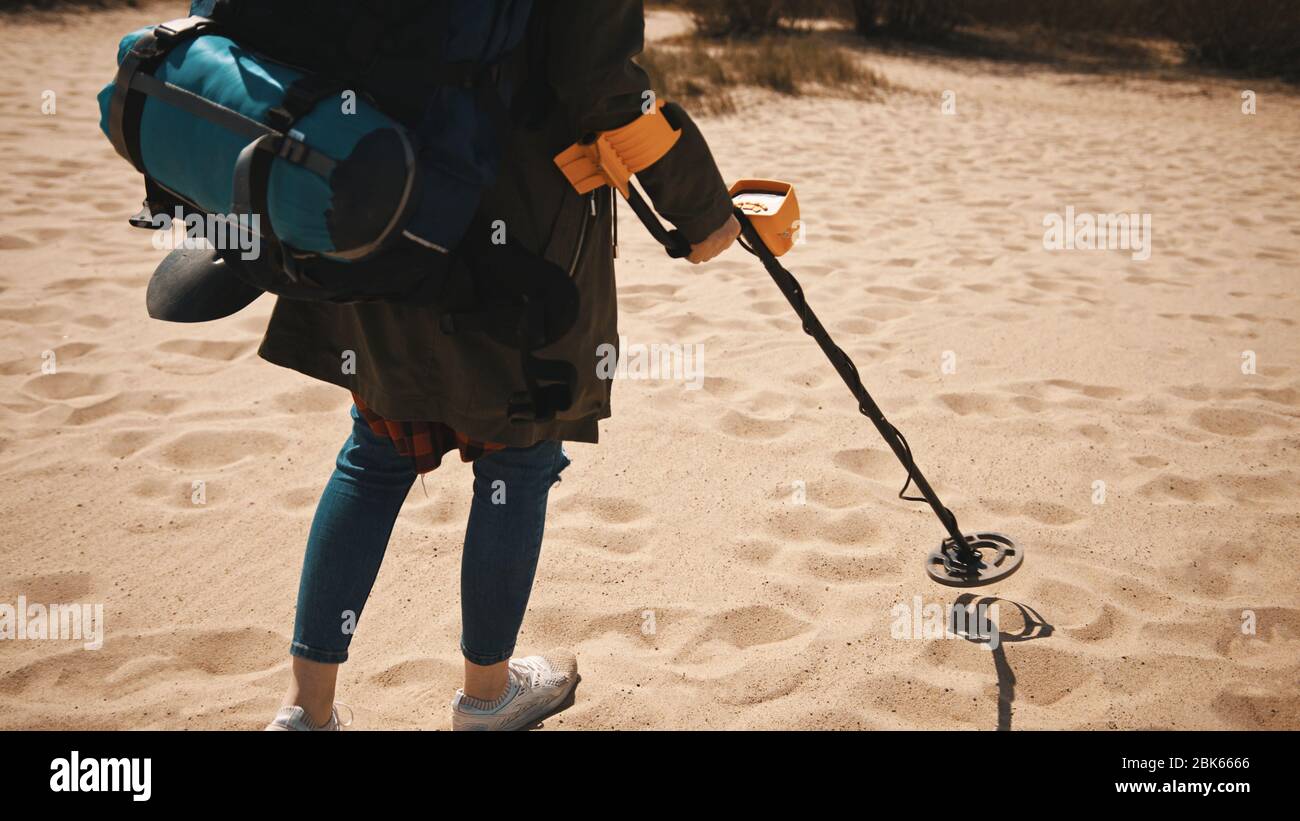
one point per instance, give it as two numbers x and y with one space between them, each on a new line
678 564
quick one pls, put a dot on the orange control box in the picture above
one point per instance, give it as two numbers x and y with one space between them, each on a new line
772 209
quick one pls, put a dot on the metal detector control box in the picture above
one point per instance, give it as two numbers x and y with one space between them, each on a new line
772 209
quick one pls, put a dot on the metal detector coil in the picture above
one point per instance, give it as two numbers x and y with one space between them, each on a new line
998 557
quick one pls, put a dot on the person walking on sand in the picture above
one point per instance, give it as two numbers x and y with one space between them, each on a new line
519 116
418 394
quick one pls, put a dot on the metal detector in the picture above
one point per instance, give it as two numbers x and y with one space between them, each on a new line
768 213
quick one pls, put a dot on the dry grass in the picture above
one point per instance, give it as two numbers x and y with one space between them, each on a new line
28 6
1255 37
702 73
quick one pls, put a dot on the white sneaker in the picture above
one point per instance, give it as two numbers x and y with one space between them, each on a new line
296 718
537 686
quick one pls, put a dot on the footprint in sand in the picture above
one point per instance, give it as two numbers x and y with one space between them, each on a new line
1049 513
853 567
130 663
1093 433
47 588
77 283
1029 404
722 386
906 294
1273 708
857 326
741 628
72 350
124 443
313 398
661 291
1153 462
207 348
743 426
1253 319
158 488
834 492
769 307
34 315
866 463
759 552
802 524
154 405
14 242
68 385
1175 488
97 321
1289 397
609 509
421 672
1229 422
1091 391
1045 512
209 449
980 404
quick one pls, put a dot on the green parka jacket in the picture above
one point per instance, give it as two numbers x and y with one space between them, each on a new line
578 55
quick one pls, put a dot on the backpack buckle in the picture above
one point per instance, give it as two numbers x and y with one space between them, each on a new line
292 150
521 409
167 33
142 218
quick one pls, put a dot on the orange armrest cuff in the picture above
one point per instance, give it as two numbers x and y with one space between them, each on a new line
615 155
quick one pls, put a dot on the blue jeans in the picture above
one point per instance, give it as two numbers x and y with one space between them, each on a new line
355 519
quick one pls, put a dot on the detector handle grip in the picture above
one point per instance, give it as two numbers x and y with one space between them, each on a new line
674 241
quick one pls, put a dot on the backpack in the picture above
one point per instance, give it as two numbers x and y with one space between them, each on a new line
347 143
241 111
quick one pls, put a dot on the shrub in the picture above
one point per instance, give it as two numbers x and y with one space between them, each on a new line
689 75
1251 35
701 76
727 18
922 18
1260 36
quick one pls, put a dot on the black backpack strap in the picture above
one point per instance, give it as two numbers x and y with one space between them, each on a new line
534 97
297 152
248 196
549 389
301 97
549 383
523 301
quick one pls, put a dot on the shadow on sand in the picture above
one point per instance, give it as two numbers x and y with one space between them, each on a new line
1035 627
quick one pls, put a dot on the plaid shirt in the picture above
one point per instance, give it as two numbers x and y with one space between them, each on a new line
424 442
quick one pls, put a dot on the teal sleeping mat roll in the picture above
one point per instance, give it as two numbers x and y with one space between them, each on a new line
346 213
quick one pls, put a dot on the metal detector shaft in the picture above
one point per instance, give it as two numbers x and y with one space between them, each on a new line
849 373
